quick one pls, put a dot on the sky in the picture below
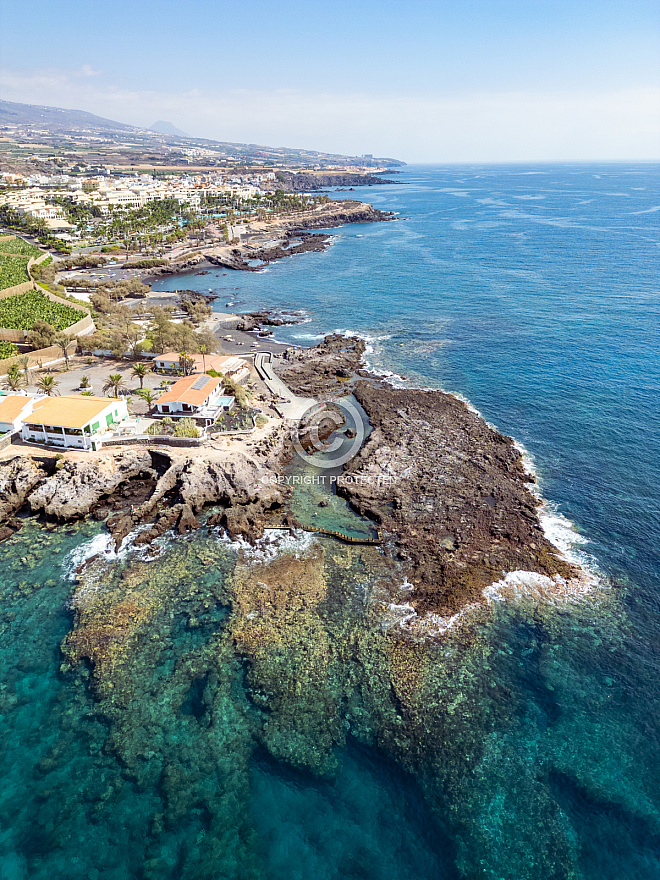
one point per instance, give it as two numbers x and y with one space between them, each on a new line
422 81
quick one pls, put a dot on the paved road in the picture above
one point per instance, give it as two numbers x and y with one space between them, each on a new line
290 406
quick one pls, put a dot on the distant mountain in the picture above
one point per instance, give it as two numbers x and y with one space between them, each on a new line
116 142
56 119
163 127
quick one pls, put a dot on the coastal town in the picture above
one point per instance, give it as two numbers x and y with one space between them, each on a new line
79 321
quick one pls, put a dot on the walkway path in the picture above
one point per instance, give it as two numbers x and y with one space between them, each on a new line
289 406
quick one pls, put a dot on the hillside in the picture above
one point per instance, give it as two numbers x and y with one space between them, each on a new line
29 130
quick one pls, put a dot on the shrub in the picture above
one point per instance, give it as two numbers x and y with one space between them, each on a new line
145 264
89 261
186 428
41 334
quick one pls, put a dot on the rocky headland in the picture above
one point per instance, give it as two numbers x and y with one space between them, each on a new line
450 491
294 234
300 182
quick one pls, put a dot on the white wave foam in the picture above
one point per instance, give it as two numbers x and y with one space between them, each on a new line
540 587
391 378
274 543
557 528
430 625
100 545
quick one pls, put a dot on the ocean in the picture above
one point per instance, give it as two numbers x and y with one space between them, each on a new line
532 292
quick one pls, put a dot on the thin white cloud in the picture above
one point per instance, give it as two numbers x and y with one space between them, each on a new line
476 127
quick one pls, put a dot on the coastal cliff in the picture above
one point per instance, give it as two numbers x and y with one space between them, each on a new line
164 491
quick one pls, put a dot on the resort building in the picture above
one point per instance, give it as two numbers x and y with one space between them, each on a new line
13 409
73 421
198 396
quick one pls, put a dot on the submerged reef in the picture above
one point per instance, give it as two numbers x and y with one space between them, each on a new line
217 650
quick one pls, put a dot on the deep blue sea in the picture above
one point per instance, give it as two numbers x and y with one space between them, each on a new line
532 291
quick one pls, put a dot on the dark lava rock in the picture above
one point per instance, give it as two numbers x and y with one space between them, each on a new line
453 492
312 372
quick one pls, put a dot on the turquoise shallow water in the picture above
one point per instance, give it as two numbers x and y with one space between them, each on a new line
534 751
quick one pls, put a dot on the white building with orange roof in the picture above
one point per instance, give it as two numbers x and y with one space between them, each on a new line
73 421
198 396
13 409
229 365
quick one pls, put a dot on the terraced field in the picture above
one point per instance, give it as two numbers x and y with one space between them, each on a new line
21 311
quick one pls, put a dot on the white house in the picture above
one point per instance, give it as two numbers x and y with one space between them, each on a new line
13 409
73 421
198 396
232 367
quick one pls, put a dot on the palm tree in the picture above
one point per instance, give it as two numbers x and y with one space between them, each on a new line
147 395
186 363
13 379
114 383
24 364
140 371
203 349
48 384
63 342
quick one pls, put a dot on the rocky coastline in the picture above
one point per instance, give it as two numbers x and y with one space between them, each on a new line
449 492
164 490
300 182
293 237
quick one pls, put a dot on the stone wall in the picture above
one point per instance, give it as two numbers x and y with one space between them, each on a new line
36 359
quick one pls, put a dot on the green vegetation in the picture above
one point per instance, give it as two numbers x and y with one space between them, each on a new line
181 428
13 270
114 384
147 395
89 261
7 350
236 390
145 264
14 379
41 334
21 311
241 419
186 428
15 245
48 385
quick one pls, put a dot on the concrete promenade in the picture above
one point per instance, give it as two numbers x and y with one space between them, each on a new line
288 405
